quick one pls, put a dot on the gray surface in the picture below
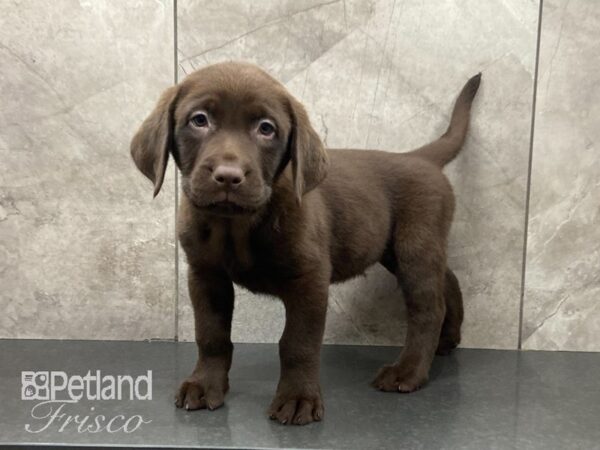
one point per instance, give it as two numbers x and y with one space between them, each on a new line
476 399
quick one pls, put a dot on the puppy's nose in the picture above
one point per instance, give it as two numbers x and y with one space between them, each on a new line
228 176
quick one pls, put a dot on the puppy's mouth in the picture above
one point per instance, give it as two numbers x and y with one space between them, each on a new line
222 203
227 208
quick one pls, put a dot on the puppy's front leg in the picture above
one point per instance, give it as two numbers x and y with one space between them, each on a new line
298 398
211 293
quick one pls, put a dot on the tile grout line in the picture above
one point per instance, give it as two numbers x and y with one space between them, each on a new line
176 197
529 168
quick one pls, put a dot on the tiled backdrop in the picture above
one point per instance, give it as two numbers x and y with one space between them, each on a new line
562 289
85 252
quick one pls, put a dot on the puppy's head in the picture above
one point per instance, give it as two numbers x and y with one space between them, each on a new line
232 129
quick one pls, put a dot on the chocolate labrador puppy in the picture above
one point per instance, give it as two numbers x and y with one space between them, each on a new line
266 207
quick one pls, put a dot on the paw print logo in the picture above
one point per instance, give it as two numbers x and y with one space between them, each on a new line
34 385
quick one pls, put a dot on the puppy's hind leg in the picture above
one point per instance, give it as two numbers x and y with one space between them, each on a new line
420 269
450 335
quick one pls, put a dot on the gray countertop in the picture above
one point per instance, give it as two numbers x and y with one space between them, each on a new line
476 399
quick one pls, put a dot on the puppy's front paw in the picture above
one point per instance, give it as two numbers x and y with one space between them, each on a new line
397 378
297 405
196 392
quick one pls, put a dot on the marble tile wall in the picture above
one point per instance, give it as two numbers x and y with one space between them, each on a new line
384 75
85 252
562 284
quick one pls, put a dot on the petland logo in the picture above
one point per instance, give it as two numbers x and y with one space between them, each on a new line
55 390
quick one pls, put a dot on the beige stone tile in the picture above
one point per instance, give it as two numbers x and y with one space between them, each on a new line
561 307
84 251
383 75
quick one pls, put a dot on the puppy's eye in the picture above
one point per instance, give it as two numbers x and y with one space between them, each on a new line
266 128
199 119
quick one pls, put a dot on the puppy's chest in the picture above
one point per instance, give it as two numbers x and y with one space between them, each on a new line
258 259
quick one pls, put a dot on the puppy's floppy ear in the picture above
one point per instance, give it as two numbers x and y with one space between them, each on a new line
307 153
151 144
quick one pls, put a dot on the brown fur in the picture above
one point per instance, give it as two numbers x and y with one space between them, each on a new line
300 219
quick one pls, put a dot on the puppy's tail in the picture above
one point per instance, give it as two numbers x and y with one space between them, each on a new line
445 149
